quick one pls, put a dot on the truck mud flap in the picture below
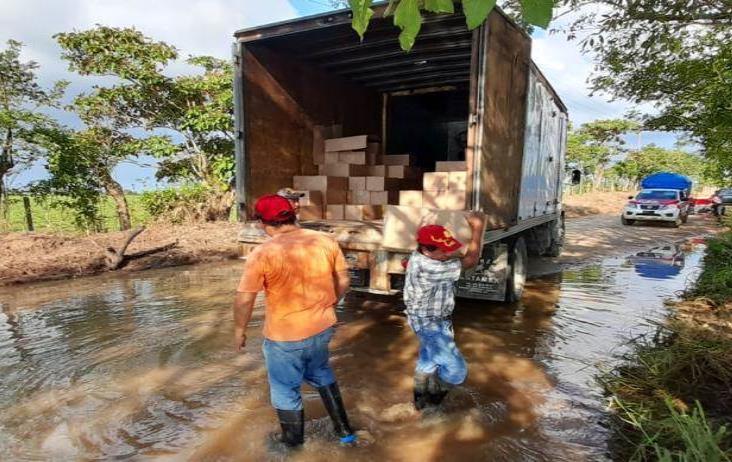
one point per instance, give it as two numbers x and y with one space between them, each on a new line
487 281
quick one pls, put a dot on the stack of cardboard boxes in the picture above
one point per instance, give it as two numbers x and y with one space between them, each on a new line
354 180
443 189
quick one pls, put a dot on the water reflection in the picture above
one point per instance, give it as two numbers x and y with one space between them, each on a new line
663 262
140 366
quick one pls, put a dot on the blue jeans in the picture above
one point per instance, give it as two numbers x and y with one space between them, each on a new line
291 363
438 351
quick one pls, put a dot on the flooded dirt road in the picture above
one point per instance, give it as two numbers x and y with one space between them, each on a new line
140 367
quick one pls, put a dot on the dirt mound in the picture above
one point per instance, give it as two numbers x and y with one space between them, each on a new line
26 257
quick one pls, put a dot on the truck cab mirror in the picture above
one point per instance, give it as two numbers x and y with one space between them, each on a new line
576 177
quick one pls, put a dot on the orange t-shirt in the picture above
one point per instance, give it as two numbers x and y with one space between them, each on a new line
297 272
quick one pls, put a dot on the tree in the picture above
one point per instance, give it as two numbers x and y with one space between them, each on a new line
408 14
191 116
653 159
674 54
595 143
21 100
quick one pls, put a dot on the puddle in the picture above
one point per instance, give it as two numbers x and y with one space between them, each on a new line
139 366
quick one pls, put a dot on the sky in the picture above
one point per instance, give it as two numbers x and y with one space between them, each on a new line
205 27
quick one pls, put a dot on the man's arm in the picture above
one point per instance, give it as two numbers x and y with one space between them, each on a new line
243 307
343 282
477 225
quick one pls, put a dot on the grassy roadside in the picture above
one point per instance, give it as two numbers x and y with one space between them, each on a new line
671 396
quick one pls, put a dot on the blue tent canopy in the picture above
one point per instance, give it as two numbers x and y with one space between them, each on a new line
666 180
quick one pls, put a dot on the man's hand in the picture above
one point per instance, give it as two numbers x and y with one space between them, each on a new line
240 339
476 220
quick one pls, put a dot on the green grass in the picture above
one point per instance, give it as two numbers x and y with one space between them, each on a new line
61 219
671 397
715 281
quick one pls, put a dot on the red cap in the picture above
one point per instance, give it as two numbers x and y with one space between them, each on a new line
273 209
438 236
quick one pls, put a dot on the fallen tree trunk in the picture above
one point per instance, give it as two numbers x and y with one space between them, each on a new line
115 259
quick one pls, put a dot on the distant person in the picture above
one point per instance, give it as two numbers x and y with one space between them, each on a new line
293 197
429 295
303 275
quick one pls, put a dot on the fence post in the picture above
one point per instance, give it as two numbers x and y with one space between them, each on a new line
28 213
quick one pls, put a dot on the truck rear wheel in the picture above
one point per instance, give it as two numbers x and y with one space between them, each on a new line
517 265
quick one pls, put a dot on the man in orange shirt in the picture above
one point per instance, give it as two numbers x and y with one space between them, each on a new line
303 274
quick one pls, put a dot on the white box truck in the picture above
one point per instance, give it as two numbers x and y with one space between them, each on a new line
458 95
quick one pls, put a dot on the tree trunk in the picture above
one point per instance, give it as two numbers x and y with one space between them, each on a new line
6 162
117 194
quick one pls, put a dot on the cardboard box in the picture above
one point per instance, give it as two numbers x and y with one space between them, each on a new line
379 183
410 198
312 198
310 212
351 143
357 183
352 157
331 158
335 196
384 197
452 166
400 159
401 225
373 154
401 172
435 181
335 212
377 170
458 181
343 169
319 183
359 197
444 200
363 212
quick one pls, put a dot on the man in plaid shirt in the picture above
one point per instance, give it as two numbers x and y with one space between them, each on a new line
429 295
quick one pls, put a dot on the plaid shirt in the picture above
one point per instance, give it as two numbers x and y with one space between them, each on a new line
429 289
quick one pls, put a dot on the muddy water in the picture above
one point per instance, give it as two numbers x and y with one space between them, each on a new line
140 367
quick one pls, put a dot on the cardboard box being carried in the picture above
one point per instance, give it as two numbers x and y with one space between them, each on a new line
401 224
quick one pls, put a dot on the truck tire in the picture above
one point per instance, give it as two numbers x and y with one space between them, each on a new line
557 238
517 265
626 222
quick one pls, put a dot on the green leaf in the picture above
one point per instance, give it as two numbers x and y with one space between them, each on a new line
476 11
439 6
538 12
362 13
408 18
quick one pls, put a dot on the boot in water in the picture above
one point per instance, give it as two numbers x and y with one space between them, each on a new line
421 390
333 402
437 390
293 428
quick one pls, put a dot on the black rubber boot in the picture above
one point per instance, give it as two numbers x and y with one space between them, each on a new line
293 427
421 390
437 390
333 402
